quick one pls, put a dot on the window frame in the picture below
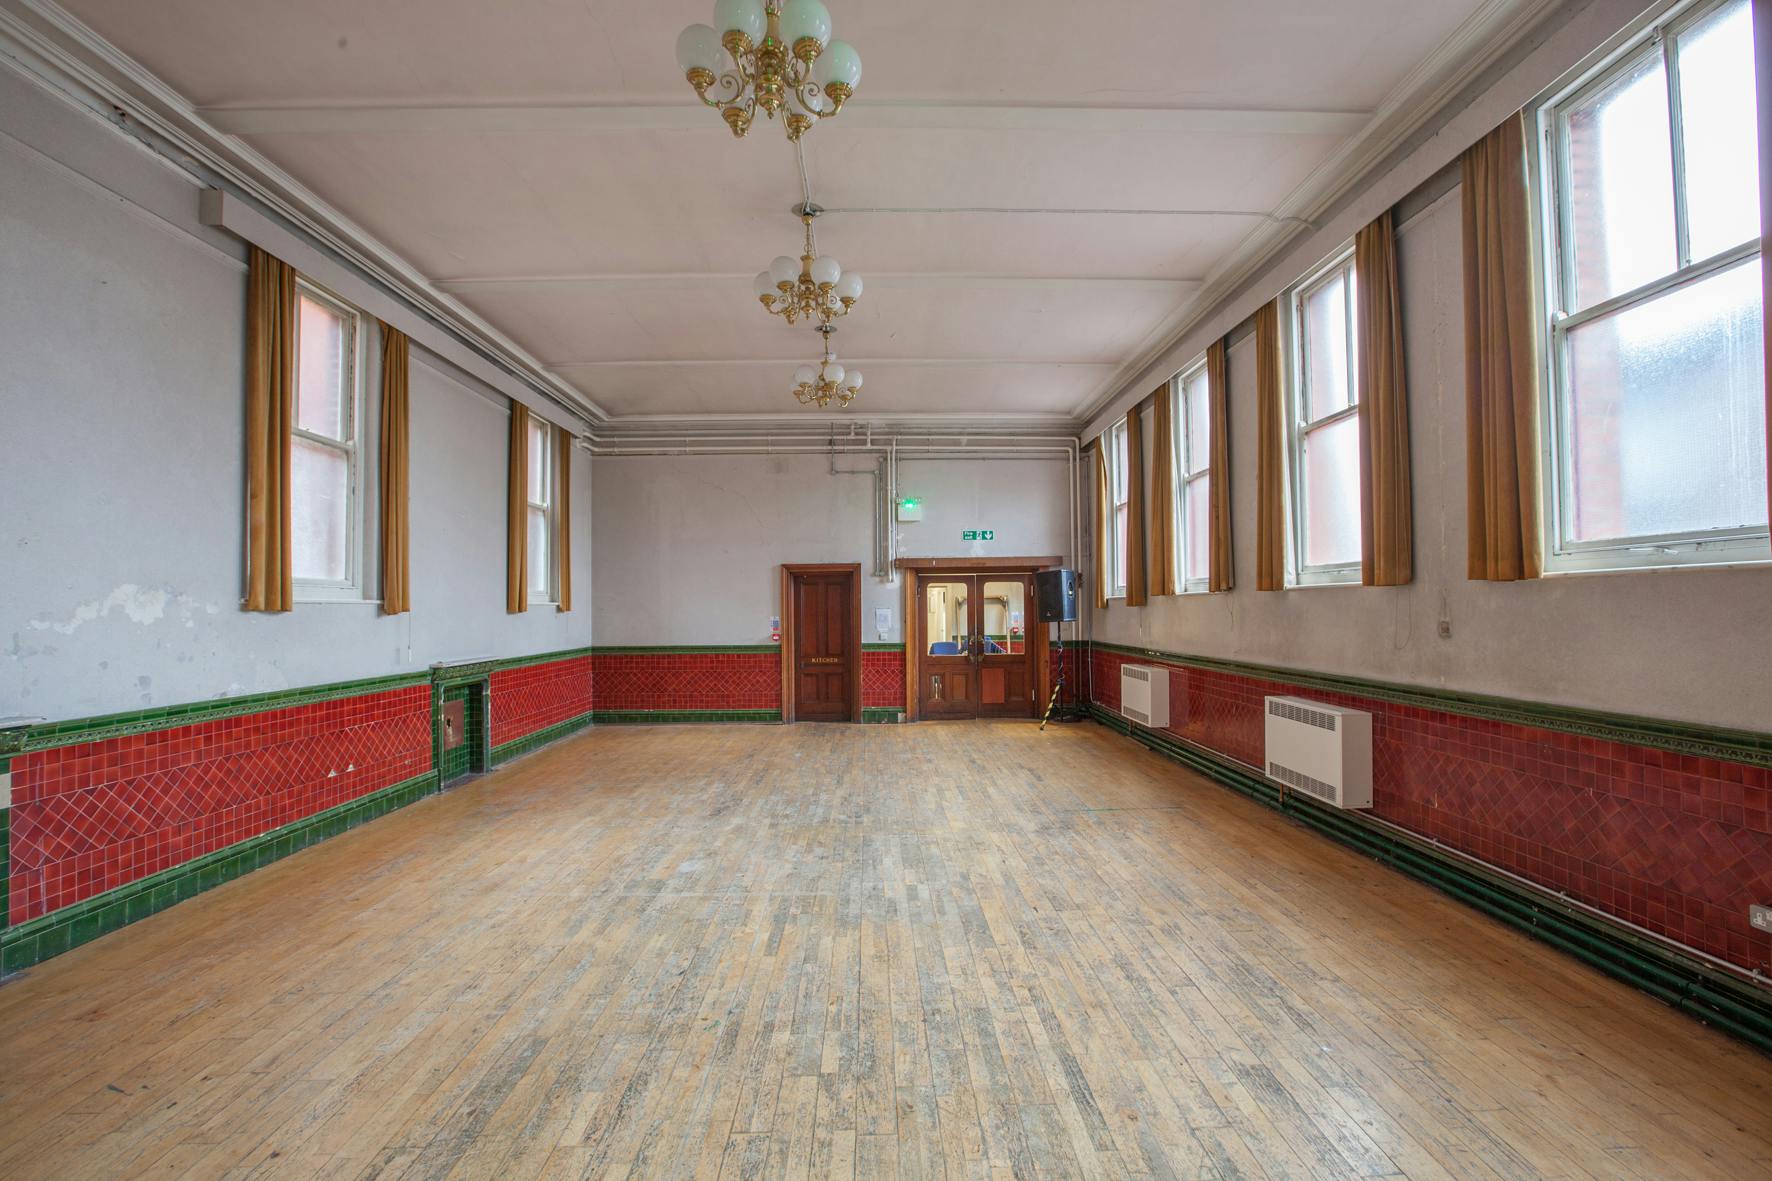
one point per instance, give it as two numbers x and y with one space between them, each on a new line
1298 429
1114 440
351 587
1181 443
551 482
1549 164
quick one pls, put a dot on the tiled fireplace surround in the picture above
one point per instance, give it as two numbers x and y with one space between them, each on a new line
113 818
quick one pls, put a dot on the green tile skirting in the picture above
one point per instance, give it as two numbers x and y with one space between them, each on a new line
35 941
1687 738
648 717
527 743
1652 965
882 713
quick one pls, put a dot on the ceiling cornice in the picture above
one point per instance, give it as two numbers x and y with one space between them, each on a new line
53 47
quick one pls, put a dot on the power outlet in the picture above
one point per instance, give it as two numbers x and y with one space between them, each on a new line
1760 917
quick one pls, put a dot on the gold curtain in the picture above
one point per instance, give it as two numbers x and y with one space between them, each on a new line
563 514
1500 361
1103 522
396 552
1387 532
1162 555
270 412
1270 471
1136 586
1218 493
517 514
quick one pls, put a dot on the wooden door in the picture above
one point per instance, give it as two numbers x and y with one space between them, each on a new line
1005 610
825 648
948 672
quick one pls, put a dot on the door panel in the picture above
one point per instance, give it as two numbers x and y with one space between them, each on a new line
824 650
1006 666
945 625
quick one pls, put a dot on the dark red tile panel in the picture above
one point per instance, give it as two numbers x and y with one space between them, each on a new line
537 696
882 680
1674 843
92 817
686 680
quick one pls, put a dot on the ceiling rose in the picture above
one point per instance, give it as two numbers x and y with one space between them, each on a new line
770 55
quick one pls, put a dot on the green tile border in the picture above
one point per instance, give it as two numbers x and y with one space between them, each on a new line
1687 738
882 713
522 746
35 941
1652 965
882 646
646 717
683 649
47 735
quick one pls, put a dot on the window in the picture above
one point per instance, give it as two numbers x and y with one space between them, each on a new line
1191 418
541 511
323 448
1120 497
1656 415
1323 438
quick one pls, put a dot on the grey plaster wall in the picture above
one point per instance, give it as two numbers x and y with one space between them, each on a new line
121 484
1684 644
689 548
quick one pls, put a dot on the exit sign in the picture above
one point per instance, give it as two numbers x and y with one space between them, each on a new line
978 535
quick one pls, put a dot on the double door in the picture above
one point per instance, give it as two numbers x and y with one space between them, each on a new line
976 650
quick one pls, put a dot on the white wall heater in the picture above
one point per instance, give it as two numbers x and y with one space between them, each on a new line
1321 750
1144 694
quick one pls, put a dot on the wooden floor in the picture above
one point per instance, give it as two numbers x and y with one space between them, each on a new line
961 950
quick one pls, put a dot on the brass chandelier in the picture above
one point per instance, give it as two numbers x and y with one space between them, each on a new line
829 381
813 288
781 58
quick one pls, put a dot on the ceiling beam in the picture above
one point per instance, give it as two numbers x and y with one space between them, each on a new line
875 282
858 362
688 115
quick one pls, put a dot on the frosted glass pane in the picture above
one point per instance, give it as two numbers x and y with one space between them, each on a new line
319 490
1199 528
1667 419
1120 545
538 464
1118 446
1332 494
539 582
1621 189
1717 125
1325 349
321 375
1199 426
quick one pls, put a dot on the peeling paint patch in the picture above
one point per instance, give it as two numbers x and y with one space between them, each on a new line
143 605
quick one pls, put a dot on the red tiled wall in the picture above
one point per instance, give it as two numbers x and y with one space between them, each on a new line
1677 844
92 817
686 680
537 696
882 680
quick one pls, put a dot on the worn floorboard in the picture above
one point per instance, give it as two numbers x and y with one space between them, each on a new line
960 950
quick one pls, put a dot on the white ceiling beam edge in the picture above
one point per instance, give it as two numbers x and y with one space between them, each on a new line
347 119
1091 285
857 362
1415 101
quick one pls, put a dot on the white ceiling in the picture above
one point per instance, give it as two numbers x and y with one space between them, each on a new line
1037 192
